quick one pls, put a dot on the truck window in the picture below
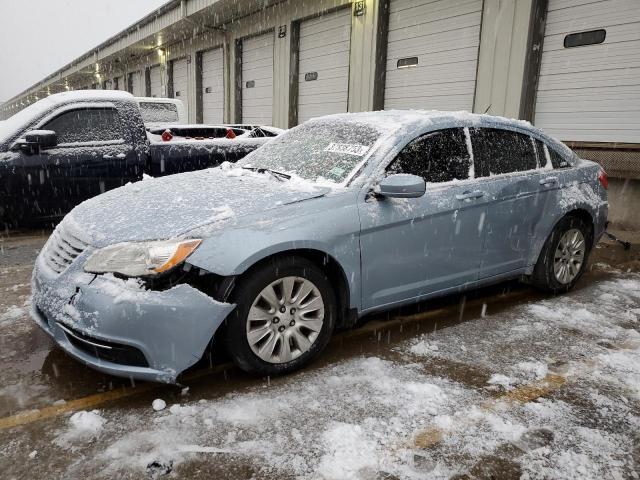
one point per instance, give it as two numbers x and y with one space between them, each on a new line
158 112
86 125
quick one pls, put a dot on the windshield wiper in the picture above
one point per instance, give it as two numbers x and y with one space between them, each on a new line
274 173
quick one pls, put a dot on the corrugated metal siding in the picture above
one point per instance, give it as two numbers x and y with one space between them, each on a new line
445 36
155 76
135 79
591 92
257 69
180 81
213 86
324 51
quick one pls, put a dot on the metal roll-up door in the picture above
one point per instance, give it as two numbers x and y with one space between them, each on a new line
257 79
432 54
135 84
155 81
180 82
323 68
213 86
589 85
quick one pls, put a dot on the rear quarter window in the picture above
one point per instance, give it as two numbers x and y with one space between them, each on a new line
556 159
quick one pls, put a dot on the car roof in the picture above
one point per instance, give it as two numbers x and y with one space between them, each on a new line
407 121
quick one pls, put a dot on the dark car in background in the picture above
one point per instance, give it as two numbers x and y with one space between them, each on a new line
72 146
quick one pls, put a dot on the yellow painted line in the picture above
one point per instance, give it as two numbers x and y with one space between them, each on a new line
95 400
526 393
84 403
92 401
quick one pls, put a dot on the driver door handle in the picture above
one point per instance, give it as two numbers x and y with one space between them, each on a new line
469 195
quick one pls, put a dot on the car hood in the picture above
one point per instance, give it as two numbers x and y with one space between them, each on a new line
172 206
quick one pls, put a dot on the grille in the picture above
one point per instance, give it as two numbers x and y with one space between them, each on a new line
62 249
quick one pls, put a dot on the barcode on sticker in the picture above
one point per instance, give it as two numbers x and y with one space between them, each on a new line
347 148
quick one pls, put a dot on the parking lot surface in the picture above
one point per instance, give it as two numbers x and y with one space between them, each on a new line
501 383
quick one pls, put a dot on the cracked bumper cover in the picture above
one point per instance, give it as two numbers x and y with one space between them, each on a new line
171 328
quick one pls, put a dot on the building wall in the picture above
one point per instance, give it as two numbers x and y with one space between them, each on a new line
501 56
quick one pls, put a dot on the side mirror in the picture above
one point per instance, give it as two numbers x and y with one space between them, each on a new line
36 140
402 185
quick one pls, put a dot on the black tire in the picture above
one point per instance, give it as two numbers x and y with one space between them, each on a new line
544 277
247 290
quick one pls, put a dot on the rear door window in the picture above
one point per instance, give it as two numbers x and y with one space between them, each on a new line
497 151
437 157
86 125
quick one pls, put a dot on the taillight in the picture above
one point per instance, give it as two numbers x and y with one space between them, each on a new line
604 180
230 133
166 135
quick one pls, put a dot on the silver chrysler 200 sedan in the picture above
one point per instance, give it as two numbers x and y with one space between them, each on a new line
341 216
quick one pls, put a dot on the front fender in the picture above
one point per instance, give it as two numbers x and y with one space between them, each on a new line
333 230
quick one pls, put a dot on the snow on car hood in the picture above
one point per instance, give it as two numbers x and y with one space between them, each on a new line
169 207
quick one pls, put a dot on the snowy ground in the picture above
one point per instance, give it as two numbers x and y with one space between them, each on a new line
507 383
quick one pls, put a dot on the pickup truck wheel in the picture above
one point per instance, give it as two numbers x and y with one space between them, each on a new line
285 314
564 256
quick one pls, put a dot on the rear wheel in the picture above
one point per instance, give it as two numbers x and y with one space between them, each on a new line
284 317
564 256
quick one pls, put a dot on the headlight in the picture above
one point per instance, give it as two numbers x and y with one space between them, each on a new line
141 258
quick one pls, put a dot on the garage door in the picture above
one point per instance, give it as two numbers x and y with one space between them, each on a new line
155 81
135 84
257 79
180 82
589 86
432 54
323 69
213 86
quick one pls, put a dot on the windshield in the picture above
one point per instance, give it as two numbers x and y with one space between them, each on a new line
317 150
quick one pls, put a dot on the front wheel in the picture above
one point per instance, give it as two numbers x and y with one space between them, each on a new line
564 256
285 314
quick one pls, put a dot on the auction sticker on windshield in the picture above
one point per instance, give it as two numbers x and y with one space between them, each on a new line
347 148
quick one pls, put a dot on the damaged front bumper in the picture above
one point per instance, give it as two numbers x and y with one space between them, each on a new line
119 328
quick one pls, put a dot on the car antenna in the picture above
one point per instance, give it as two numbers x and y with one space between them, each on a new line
488 108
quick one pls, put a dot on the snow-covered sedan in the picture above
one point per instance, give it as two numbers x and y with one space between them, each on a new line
339 217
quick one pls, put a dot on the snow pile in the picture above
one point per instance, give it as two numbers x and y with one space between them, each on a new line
348 420
11 314
350 453
590 337
83 427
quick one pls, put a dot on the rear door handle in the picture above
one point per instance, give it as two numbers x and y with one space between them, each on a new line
468 195
549 181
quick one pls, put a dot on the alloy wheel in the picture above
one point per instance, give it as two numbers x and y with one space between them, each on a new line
569 256
285 319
